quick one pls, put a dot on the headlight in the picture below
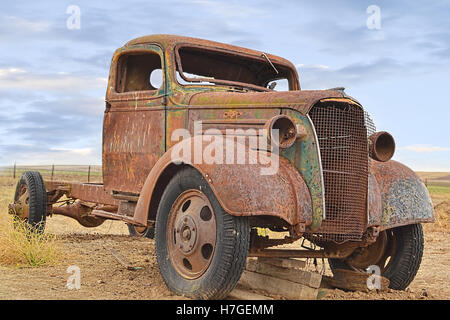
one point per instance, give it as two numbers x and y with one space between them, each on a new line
381 146
287 131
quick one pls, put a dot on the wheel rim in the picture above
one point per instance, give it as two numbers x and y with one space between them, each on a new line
380 253
191 234
22 205
140 230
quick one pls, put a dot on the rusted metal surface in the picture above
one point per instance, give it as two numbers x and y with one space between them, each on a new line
191 234
286 130
375 254
375 203
88 192
20 207
113 216
293 253
217 118
305 156
187 104
404 197
133 126
302 101
381 146
343 146
240 188
170 43
127 208
79 212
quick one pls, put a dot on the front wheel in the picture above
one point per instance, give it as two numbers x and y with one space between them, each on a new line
397 252
201 249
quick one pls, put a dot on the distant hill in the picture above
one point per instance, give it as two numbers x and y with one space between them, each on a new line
435 178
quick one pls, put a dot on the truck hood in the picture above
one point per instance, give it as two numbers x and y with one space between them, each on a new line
301 100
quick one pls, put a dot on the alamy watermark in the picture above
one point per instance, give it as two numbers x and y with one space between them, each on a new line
229 146
73 22
74 280
374 280
373 22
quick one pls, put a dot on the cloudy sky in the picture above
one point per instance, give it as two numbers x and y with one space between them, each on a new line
53 78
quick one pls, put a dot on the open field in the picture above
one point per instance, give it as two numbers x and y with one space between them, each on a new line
79 173
103 277
441 179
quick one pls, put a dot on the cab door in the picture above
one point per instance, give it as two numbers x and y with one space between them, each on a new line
134 120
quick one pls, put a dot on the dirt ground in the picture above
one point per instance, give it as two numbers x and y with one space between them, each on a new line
103 277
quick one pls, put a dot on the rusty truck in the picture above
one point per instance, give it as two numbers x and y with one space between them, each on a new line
334 182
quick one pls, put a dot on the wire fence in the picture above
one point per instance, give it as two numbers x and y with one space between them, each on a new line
80 173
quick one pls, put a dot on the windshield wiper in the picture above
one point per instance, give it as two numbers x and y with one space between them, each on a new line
270 62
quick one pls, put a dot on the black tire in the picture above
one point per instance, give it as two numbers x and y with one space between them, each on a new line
37 199
405 260
148 233
231 248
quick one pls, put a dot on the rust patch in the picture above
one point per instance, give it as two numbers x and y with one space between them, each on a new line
240 188
404 197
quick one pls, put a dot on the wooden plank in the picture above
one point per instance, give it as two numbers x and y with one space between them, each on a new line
240 294
326 283
356 281
284 263
275 286
310 279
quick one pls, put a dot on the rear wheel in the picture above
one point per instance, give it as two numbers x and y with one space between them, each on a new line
397 252
201 249
30 201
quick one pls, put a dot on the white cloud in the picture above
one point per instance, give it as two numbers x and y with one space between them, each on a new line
79 151
27 26
312 66
57 156
230 10
16 78
420 148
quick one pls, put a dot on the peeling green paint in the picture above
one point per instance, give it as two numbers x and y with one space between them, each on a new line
304 156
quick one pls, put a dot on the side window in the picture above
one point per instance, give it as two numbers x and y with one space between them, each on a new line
139 72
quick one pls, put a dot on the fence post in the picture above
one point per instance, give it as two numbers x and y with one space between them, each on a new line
14 174
89 174
53 170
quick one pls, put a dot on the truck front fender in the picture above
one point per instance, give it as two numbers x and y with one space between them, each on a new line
241 189
397 196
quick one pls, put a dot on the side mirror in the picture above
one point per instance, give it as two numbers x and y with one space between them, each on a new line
272 85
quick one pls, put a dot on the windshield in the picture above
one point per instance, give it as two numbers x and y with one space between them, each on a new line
214 67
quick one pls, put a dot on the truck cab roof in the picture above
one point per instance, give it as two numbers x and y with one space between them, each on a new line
173 42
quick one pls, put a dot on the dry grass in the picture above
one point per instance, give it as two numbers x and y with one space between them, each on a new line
442 212
441 200
19 245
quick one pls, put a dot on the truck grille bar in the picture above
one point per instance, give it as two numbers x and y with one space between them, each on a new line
342 136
